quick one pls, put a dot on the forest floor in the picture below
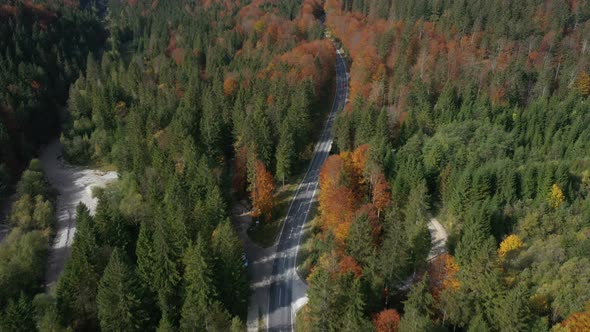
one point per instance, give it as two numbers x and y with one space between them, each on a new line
74 184
259 266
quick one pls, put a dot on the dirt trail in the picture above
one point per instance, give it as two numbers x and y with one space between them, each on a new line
438 238
74 185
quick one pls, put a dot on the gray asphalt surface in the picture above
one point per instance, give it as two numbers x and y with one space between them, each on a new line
286 288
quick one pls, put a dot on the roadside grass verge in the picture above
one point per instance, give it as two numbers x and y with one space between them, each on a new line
307 257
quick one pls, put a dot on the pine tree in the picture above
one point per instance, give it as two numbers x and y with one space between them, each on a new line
166 270
417 309
199 290
285 154
17 316
117 299
322 300
231 278
78 285
394 257
359 243
353 319
478 324
512 313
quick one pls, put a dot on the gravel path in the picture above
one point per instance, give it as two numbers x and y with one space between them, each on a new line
438 238
74 185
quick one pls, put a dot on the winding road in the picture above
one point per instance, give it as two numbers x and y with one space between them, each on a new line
287 291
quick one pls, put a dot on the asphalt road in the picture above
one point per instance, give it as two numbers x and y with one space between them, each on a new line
286 288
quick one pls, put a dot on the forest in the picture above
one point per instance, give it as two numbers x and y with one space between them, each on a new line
475 113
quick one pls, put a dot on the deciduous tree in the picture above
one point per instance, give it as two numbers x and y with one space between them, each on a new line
386 321
262 192
511 243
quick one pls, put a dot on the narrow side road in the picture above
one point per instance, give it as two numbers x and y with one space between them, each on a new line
287 291
74 185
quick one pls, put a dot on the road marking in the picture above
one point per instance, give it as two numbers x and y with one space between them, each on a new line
320 154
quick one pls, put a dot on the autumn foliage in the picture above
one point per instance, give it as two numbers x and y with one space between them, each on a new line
350 265
511 243
583 83
313 60
230 86
337 201
442 274
262 192
386 321
556 196
578 321
343 186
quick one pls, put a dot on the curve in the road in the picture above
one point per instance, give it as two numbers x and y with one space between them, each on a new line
286 288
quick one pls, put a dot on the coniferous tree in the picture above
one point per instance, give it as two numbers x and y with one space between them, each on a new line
18 316
78 285
417 309
118 301
199 288
231 279
359 243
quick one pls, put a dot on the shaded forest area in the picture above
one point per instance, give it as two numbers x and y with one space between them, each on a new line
44 48
476 112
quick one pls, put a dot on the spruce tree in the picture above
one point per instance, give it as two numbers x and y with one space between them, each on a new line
119 306
359 243
17 316
230 272
199 288
417 309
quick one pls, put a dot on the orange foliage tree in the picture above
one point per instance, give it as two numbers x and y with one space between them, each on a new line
337 202
262 192
230 86
349 264
386 321
442 271
342 188
578 321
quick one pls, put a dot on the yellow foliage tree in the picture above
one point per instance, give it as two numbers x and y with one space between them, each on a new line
510 243
556 196
583 83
